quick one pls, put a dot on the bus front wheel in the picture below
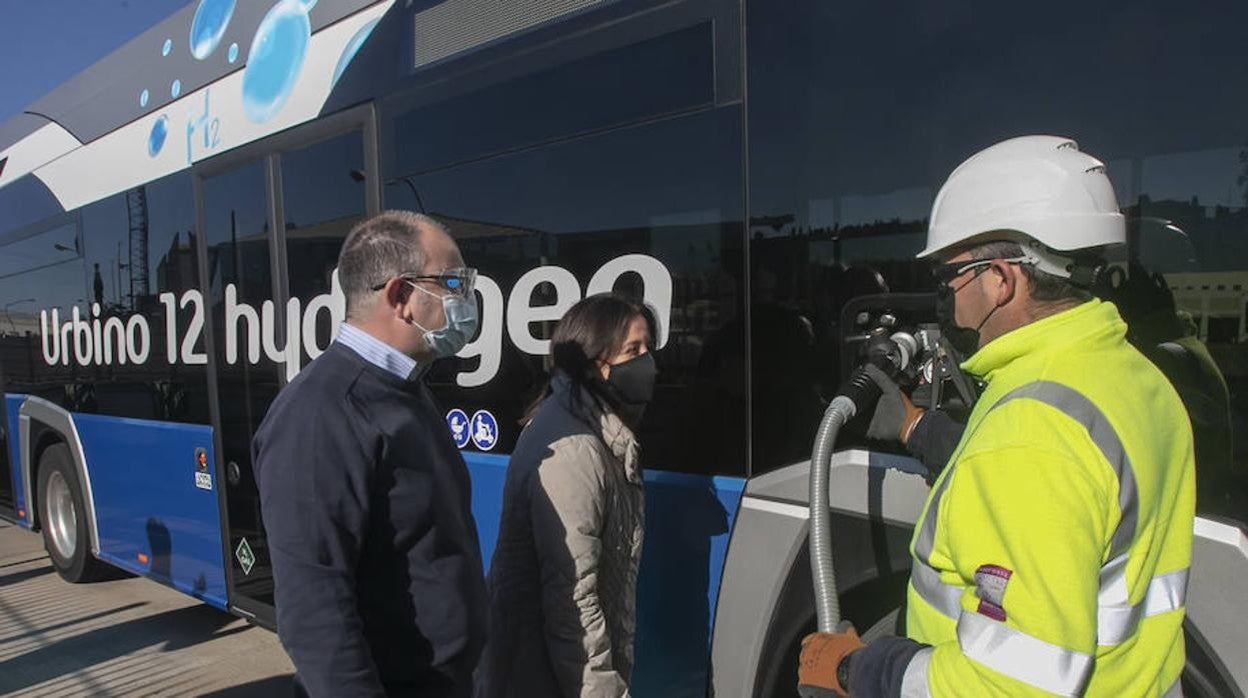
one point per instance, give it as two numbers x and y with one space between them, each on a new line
63 519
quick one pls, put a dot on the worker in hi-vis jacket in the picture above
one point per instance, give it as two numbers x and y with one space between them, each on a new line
1053 552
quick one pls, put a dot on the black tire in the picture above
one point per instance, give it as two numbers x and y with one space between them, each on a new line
70 555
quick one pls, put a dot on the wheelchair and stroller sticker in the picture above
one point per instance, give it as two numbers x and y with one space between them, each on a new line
457 421
484 430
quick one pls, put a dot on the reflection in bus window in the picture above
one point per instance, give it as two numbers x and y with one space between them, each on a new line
44 249
111 263
669 190
857 112
323 196
25 201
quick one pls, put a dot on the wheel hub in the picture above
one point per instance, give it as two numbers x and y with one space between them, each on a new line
62 520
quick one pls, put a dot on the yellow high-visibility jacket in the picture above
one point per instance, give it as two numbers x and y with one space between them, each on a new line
1053 551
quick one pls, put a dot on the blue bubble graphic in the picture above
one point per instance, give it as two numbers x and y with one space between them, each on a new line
275 59
164 51
156 140
175 89
211 19
306 5
352 48
143 97
233 54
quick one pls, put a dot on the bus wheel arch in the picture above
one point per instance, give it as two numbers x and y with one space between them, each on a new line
48 436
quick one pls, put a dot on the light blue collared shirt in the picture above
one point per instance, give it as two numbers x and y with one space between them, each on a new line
377 352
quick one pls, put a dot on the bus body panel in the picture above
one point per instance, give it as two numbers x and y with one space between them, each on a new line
689 519
764 547
1216 590
156 516
767 601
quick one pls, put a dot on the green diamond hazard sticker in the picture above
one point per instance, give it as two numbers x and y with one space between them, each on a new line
246 558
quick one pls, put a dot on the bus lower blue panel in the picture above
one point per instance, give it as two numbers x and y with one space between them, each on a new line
688 520
12 405
155 517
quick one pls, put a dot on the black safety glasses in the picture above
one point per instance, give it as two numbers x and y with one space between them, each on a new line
945 273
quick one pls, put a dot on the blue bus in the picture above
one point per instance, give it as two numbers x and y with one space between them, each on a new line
758 173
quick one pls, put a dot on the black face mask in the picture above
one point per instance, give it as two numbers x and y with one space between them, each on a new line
632 384
964 339
633 380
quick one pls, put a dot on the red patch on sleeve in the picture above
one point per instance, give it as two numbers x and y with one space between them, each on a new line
990 583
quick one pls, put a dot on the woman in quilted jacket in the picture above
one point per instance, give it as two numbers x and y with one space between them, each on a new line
564 573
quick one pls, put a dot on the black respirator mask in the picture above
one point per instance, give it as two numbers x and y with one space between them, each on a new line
964 339
632 385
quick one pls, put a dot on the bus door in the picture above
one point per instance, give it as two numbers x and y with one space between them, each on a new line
8 507
272 218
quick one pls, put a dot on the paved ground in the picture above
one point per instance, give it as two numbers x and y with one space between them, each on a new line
126 637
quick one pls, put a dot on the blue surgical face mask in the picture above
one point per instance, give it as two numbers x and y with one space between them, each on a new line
461 323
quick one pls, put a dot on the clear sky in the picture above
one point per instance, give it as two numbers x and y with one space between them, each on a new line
46 42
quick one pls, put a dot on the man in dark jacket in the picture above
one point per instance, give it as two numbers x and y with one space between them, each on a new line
365 498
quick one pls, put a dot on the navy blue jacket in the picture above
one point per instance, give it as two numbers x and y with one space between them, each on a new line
365 501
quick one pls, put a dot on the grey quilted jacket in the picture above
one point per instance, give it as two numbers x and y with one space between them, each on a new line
564 573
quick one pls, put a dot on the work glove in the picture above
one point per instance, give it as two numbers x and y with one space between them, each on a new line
819 670
895 415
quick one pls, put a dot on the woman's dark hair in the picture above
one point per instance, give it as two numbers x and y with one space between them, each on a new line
594 329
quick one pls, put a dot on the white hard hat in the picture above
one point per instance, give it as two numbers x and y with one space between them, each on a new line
1040 186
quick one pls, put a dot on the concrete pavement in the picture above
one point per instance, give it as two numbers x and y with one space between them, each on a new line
125 637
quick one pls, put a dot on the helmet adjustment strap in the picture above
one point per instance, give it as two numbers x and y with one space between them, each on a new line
1081 270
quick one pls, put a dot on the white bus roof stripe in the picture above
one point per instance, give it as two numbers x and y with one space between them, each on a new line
120 160
46 144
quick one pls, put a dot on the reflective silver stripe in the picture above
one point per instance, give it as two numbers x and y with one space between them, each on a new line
945 598
1117 619
1175 690
1166 592
1115 622
1115 616
1023 657
914 681
1113 582
1074 405
1079 408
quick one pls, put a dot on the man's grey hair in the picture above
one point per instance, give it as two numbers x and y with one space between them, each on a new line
1045 287
378 249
